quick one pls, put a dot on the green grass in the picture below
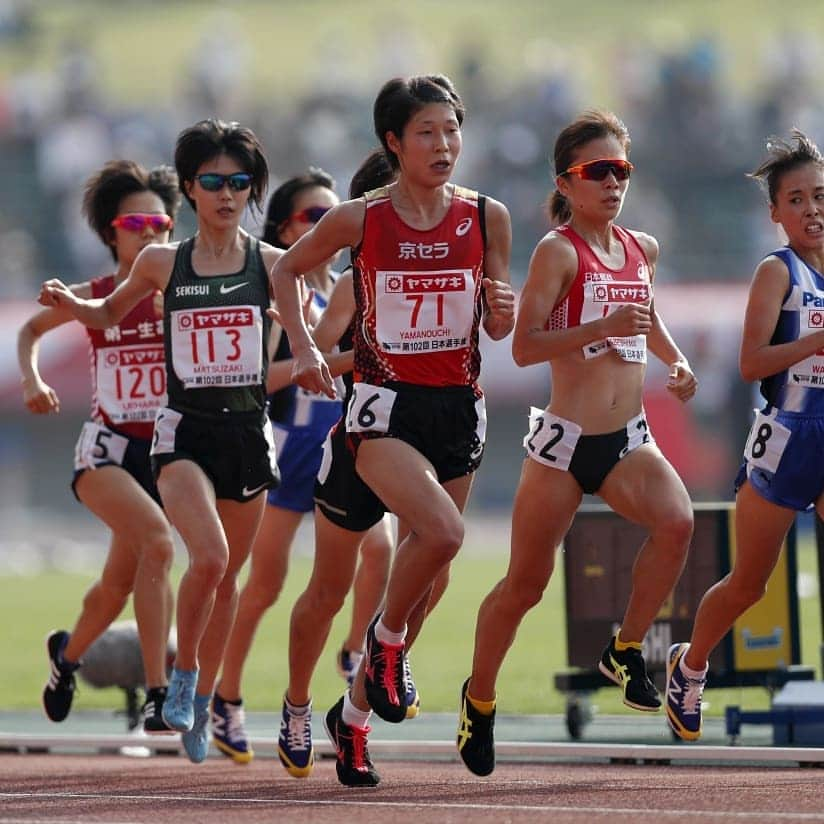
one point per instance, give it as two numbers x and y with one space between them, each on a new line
441 659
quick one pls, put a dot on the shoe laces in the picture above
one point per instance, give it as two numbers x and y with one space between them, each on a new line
693 692
360 750
389 656
298 731
235 718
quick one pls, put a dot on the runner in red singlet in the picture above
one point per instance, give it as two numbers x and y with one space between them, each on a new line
587 308
129 208
431 265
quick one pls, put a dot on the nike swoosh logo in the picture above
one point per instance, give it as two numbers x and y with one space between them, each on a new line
248 492
224 289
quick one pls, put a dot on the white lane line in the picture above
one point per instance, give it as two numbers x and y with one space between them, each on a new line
635 812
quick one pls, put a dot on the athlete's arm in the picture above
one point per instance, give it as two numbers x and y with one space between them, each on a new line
38 396
499 317
759 358
680 381
150 272
340 227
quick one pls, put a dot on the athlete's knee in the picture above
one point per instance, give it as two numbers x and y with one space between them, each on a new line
258 597
326 598
209 567
674 530
744 592
157 549
443 533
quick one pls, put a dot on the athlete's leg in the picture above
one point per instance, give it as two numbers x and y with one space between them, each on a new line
336 553
645 489
545 503
241 522
139 559
760 529
270 563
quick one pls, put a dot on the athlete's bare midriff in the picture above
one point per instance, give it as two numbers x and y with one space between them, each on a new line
600 395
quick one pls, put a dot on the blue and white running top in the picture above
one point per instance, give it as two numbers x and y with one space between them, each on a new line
800 388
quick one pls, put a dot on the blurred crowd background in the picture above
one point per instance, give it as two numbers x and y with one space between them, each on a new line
699 84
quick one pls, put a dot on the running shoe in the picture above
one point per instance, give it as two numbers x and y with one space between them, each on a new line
196 740
628 670
153 723
385 679
178 708
352 762
413 698
683 696
347 664
228 730
295 748
59 690
476 737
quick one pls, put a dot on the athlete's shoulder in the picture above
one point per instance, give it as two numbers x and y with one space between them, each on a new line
648 244
270 254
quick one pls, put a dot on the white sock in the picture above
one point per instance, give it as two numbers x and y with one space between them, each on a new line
696 675
386 636
352 716
297 709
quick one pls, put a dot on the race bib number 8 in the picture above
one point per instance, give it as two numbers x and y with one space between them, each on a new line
766 442
370 408
217 347
422 312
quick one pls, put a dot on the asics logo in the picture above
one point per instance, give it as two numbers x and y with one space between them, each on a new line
620 670
247 493
465 731
463 227
224 289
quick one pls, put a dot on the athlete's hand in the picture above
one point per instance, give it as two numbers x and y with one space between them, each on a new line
681 382
55 293
311 372
628 320
501 302
40 398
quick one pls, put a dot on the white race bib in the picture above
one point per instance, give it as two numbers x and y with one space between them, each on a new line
422 312
131 382
217 347
601 298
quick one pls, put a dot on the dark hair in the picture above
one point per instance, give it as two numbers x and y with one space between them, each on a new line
589 126
783 157
375 171
400 99
210 138
106 188
282 201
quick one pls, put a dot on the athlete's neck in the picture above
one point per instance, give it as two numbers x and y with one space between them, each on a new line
320 279
814 258
599 236
219 243
421 206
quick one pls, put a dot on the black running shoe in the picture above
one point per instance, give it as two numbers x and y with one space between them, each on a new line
153 723
628 670
476 737
385 677
352 762
59 690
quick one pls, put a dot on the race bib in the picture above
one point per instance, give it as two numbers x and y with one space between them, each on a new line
131 382
422 312
551 440
217 347
370 408
98 446
601 298
766 442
